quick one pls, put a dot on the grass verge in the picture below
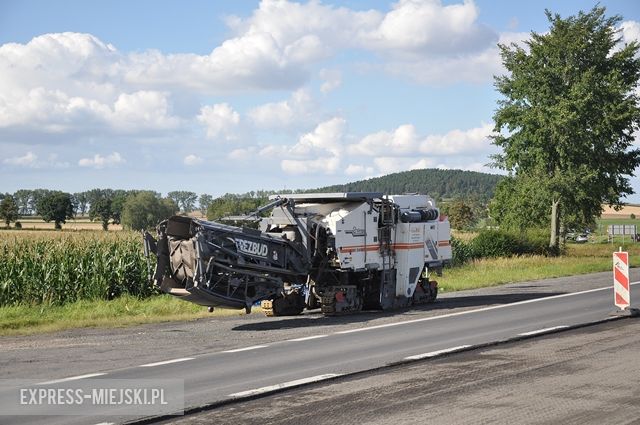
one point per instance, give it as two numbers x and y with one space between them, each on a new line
579 259
120 312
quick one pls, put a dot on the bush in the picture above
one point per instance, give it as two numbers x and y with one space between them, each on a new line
18 225
495 243
500 243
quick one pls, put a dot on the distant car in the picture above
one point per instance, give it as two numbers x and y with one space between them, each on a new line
581 239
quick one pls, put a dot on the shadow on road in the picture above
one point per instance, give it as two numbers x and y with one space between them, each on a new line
315 318
484 300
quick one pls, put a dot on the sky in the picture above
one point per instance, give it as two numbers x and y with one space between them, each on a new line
229 97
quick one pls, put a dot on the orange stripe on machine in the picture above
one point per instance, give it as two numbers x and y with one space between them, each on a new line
397 246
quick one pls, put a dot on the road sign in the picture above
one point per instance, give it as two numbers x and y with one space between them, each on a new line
621 296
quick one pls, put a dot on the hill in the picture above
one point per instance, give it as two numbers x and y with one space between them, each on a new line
439 184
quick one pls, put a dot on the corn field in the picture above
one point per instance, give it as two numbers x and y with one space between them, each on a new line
57 267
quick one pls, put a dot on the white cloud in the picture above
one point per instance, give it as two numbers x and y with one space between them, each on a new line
355 169
405 140
296 111
630 31
192 160
242 154
459 142
98 161
142 110
221 120
401 141
332 78
328 165
390 164
475 67
27 160
327 137
419 27
318 151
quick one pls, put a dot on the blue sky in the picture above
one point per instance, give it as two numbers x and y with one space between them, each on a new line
221 97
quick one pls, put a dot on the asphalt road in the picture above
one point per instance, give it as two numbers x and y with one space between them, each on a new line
584 376
261 358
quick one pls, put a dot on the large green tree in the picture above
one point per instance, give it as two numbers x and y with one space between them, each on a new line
117 204
460 214
80 202
184 199
144 210
23 198
56 207
569 113
101 209
204 201
8 210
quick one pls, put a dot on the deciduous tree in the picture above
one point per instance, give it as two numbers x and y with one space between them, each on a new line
56 207
8 209
144 210
101 209
568 115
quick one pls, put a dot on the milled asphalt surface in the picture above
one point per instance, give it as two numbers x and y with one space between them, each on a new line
586 376
81 351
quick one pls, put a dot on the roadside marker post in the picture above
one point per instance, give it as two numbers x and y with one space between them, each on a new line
621 287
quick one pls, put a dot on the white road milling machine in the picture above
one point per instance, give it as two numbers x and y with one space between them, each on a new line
340 252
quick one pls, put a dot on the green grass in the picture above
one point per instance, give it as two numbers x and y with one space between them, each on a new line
579 259
607 221
123 311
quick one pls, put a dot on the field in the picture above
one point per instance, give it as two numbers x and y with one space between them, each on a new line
54 268
624 213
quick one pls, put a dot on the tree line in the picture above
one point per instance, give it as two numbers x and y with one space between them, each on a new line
134 209
439 184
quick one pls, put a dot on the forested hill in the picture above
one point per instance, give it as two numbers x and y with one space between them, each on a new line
439 184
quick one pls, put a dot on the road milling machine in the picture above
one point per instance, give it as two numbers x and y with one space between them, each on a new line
340 252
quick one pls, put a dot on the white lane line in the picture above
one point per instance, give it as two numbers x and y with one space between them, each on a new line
253 347
106 423
71 378
437 353
307 338
183 359
541 331
495 307
284 385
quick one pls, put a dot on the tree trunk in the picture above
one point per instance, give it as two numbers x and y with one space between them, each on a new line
555 222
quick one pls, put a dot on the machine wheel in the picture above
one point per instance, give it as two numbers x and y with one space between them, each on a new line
288 305
426 292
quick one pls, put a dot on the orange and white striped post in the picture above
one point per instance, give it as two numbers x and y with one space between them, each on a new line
621 293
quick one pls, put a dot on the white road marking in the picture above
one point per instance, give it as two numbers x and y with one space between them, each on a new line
284 385
183 359
495 307
437 353
306 338
71 378
106 423
541 331
253 347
